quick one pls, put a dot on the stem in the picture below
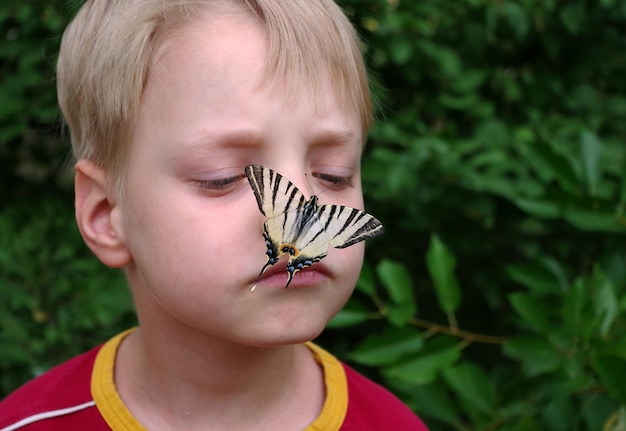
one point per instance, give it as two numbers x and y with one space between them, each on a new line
470 337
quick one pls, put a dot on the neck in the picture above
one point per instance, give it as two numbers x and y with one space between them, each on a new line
192 379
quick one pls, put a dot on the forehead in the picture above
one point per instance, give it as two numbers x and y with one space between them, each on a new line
207 81
288 69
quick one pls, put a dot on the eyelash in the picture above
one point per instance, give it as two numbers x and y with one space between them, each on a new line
220 184
336 181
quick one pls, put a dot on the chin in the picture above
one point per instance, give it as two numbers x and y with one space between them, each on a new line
290 334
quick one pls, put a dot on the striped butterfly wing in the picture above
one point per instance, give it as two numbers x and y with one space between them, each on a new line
345 226
300 228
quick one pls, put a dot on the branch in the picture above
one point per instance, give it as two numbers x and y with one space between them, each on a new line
465 335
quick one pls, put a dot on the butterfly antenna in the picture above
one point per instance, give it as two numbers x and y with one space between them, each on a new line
323 190
308 183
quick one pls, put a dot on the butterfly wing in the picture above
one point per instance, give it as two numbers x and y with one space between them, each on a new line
345 226
275 194
337 225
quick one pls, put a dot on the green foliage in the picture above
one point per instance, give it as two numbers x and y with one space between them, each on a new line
54 295
495 301
562 366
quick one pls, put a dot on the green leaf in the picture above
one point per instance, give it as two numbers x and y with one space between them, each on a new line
538 356
471 383
612 371
346 318
560 414
441 264
393 345
401 51
606 304
573 16
517 18
526 424
424 368
573 306
539 207
593 220
397 281
591 149
543 276
533 311
434 399
400 314
557 166
367 281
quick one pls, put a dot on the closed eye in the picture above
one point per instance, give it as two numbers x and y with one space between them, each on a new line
334 182
219 186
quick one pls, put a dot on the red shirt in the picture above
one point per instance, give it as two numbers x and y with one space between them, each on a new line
80 394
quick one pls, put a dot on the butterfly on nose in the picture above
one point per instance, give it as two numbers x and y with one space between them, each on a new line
301 228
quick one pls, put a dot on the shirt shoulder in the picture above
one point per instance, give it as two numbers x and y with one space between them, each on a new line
372 407
58 399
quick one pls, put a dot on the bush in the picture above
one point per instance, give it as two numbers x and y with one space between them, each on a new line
496 299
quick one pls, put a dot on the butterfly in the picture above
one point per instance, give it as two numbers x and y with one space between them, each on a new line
301 228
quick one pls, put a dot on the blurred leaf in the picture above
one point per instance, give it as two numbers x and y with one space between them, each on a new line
594 221
387 348
346 318
591 149
472 383
559 167
401 51
367 281
606 304
544 275
434 400
612 371
533 311
537 355
441 264
424 368
560 414
397 282
539 207
573 306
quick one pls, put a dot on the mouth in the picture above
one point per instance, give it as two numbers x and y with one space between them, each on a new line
277 276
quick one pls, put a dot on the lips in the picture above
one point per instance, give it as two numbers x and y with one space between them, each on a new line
276 275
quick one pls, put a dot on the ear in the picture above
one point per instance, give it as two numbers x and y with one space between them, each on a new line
97 215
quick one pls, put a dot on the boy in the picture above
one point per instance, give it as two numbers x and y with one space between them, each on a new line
167 101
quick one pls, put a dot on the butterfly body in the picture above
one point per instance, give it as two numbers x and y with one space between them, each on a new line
301 228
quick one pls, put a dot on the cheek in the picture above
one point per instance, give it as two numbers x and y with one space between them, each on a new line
186 232
348 261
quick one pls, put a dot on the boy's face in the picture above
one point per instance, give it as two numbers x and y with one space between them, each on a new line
189 217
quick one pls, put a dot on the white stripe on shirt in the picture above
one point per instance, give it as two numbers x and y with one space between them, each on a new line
48 415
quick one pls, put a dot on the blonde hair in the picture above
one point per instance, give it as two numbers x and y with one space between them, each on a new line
108 49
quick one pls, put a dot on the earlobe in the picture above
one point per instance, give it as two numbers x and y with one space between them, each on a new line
96 212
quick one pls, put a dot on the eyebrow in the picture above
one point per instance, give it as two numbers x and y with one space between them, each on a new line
333 137
207 141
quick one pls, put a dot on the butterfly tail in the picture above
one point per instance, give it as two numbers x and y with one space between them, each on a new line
290 274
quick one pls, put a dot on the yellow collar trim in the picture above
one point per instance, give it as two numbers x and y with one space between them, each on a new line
336 403
119 418
108 401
